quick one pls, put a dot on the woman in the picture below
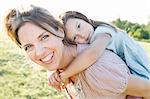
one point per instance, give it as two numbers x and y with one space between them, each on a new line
42 37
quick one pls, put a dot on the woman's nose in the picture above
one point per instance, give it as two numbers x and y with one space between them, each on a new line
39 51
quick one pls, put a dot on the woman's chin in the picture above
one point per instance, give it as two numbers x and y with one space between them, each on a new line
53 68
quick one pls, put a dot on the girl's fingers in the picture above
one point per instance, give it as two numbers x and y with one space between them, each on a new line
60 70
57 77
50 83
59 88
53 81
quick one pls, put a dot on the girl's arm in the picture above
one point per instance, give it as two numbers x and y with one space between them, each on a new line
88 56
138 86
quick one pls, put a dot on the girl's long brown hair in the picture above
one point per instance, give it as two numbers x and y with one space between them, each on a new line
74 14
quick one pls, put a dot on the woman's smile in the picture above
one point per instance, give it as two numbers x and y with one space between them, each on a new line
42 46
48 59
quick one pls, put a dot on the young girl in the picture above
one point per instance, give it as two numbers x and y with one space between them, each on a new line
101 36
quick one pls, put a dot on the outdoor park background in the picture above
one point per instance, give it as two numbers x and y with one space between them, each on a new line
22 79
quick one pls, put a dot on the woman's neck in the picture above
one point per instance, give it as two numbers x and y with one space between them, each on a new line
69 54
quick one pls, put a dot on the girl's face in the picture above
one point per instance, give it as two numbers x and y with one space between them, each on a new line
41 46
78 30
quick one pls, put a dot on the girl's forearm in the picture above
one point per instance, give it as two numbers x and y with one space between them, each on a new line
80 63
87 57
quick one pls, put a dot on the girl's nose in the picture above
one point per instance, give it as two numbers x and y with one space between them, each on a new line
80 39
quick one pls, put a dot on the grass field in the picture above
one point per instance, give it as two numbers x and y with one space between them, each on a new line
20 79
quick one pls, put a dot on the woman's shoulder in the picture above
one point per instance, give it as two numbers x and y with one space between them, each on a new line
109 74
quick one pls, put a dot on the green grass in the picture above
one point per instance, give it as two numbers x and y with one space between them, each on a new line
19 79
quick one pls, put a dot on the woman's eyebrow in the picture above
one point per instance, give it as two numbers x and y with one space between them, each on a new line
26 45
41 34
37 37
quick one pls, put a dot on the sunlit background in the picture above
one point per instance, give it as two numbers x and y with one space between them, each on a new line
21 79
104 10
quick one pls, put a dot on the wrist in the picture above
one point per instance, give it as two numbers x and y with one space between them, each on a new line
63 76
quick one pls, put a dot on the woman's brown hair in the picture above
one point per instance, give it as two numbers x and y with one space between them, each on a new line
39 16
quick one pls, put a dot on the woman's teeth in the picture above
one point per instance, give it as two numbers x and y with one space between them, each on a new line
47 58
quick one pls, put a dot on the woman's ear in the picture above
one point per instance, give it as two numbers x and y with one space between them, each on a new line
61 32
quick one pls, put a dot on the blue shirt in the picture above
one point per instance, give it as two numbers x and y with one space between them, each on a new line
128 49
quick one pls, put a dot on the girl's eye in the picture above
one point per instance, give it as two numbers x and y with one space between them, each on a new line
75 39
45 37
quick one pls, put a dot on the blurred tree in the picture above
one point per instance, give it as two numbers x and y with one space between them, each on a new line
134 29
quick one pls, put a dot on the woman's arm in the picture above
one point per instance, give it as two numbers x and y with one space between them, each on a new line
88 56
138 86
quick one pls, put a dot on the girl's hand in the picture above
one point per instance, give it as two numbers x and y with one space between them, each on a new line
64 78
64 81
54 80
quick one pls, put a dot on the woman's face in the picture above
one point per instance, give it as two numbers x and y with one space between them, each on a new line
41 46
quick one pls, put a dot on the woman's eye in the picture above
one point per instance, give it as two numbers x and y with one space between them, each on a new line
78 26
27 48
45 37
